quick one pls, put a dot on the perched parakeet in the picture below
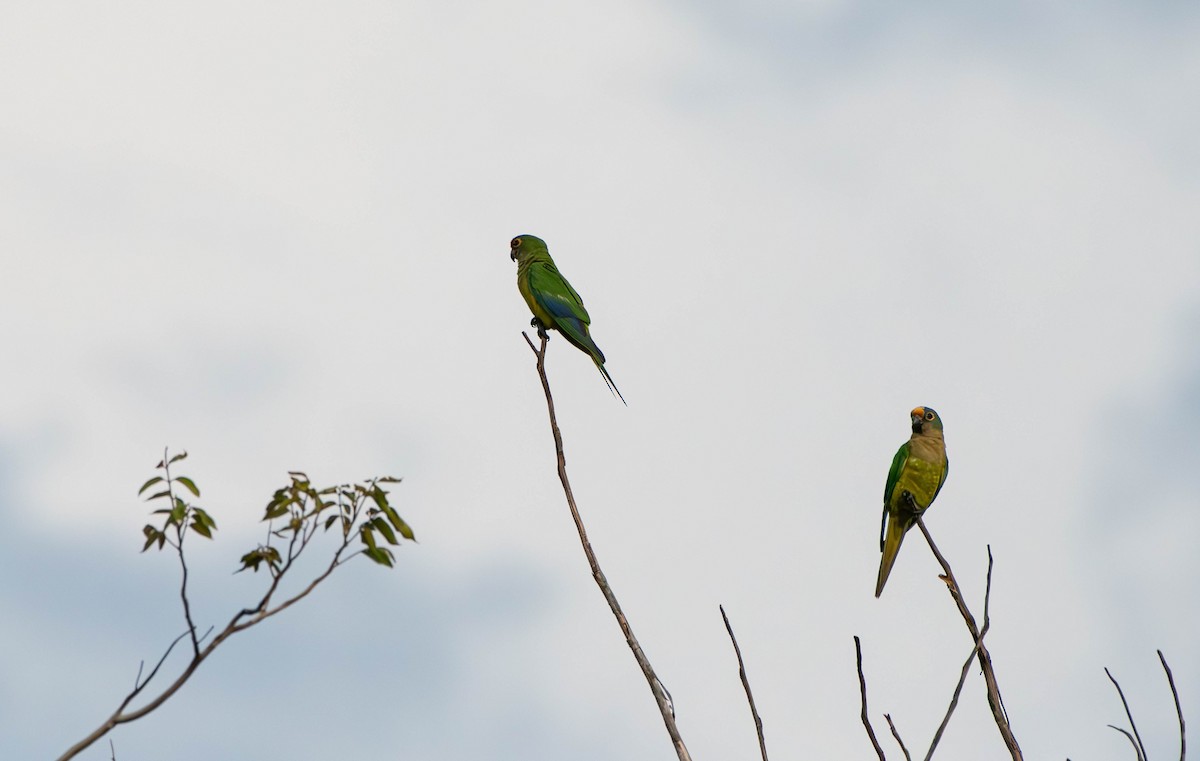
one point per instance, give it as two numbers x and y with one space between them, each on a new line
918 472
553 301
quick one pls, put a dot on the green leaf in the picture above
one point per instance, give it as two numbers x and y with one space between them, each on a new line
404 529
189 483
177 458
380 497
380 555
329 521
159 495
178 512
204 517
368 536
149 483
199 527
389 480
151 535
251 560
278 508
385 529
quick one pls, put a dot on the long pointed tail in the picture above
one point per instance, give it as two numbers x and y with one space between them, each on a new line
609 381
897 528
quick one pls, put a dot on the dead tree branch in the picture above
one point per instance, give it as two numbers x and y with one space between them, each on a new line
1135 739
656 688
1178 710
1137 746
758 725
896 734
862 688
962 677
985 658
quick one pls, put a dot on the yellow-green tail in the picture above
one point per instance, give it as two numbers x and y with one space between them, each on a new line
896 529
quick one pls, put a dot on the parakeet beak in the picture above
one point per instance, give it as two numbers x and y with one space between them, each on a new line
918 419
512 254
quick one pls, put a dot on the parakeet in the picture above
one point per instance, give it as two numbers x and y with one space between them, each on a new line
918 472
553 301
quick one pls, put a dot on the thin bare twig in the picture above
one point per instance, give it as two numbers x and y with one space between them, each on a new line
962 677
1138 746
1178 710
660 694
985 658
862 688
758 725
896 735
1136 749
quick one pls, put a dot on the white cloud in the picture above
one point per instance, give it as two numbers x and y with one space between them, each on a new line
276 236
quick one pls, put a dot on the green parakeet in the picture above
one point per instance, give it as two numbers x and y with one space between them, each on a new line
918 472
553 301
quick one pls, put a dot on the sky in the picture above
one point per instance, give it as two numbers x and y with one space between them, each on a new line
275 235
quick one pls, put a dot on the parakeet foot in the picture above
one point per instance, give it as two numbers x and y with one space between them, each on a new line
541 329
913 507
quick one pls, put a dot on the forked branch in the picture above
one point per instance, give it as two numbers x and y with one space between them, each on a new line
981 652
1135 739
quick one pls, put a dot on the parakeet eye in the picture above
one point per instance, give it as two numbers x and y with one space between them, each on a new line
929 416
516 243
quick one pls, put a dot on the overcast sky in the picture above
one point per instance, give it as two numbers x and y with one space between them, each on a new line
276 235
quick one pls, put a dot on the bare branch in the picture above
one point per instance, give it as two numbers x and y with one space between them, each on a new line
962 677
1136 749
758 726
896 735
656 688
1141 749
862 688
984 657
1178 710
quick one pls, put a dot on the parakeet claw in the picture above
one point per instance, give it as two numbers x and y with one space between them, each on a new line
541 329
916 509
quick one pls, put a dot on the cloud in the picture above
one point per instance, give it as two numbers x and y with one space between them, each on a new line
276 236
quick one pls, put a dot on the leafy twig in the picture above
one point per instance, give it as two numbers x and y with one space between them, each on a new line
660 694
362 511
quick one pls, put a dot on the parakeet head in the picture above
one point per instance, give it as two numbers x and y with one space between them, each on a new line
526 245
925 419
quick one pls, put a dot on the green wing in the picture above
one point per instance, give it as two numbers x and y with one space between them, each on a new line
945 472
894 476
555 294
559 300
